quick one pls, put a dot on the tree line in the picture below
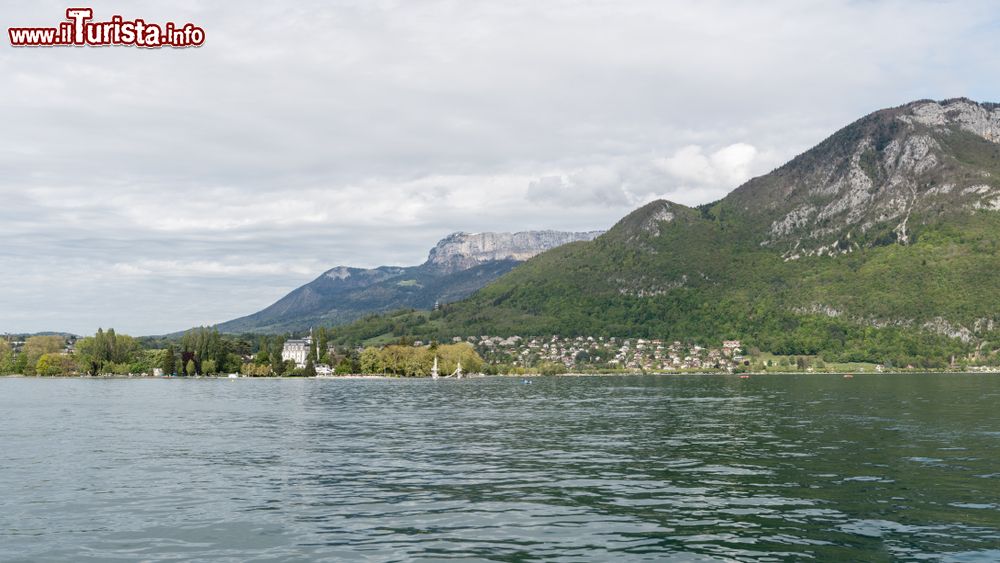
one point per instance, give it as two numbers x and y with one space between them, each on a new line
418 361
205 351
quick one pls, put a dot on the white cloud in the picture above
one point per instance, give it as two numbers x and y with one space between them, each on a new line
591 185
691 175
728 166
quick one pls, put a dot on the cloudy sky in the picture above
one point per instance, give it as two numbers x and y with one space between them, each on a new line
155 190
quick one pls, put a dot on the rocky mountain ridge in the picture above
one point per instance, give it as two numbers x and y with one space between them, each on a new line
460 251
871 181
457 266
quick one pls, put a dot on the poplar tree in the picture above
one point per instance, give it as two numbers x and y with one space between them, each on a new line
169 361
322 356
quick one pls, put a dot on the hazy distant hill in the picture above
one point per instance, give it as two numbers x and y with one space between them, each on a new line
457 266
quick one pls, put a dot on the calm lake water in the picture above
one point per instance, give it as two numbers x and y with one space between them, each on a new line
686 468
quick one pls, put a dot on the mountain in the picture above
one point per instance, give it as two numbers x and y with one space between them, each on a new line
880 243
457 266
878 179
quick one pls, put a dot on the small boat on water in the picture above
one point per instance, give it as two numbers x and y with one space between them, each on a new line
434 370
848 376
744 377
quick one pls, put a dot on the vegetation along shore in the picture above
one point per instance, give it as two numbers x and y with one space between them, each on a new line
204 352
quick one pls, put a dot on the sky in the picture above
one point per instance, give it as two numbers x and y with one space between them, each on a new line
152 190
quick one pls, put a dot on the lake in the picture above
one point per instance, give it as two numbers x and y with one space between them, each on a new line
685 468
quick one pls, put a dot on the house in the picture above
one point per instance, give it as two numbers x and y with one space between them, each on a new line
297 351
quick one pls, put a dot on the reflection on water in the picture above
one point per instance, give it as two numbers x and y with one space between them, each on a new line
626 468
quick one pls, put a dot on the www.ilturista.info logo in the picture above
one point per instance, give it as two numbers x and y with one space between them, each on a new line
79 31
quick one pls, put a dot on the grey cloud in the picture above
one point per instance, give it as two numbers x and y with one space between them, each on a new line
593 186
691 175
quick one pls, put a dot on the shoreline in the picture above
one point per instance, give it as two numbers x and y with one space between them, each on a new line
986 371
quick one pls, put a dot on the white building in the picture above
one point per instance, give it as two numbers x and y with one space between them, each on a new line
297 351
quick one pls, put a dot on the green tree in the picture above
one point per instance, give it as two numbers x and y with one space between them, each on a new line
451 354
144 361
168 363
275 346
344 367
189 369
207 344
6 358
37 346
323 355
371 361
551 368
55 364
411 361
20 363
97 354
256 370
262 357
279 366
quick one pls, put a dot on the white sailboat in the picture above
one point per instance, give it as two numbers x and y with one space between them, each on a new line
457 374
434 370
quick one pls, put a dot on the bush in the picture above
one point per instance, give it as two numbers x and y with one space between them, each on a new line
551 368
55 364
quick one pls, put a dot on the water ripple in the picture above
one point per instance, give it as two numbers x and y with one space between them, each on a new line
569 469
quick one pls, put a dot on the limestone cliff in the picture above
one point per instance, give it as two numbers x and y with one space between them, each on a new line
460 251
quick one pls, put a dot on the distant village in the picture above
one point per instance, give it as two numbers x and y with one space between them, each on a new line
630 354
610 353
